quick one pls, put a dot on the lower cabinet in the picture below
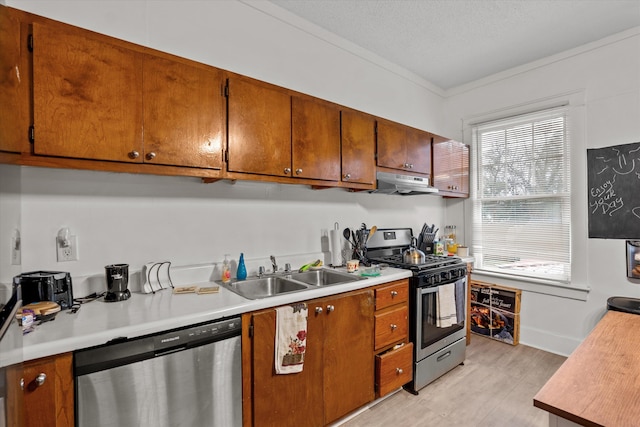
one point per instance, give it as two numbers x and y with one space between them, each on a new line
48 397
338 373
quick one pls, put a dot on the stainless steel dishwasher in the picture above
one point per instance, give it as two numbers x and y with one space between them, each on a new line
188 377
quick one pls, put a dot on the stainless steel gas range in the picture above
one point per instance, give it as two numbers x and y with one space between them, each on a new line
437 305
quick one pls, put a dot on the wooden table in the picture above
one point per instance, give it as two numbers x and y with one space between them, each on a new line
599 384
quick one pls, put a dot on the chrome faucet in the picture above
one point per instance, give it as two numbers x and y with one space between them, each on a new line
273 263
260 271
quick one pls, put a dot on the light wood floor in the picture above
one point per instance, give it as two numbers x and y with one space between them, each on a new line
494 388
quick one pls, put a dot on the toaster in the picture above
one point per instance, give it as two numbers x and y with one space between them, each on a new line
46 286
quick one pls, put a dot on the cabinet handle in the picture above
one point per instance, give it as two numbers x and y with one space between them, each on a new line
21 383
287 171
298 171
408 165
393 327
399 371
318 310
330 308
41 378
347 176
150 156
394 294
134 155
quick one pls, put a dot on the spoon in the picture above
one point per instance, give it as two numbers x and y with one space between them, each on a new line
346 233
373 230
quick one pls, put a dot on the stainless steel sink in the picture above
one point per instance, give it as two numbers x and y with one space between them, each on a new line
325 277
263 287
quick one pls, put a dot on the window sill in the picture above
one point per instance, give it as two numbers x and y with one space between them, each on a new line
538 286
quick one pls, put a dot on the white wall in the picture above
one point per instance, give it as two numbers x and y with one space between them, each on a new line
136 218
602 80
10 221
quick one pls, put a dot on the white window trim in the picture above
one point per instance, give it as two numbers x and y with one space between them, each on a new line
574 101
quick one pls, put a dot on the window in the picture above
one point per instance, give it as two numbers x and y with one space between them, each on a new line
521 196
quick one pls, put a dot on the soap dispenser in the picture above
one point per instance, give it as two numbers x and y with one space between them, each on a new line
226 269
241 274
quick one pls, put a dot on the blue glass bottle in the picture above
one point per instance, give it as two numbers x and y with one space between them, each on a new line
241 274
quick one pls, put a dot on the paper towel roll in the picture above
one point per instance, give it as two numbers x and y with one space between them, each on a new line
336 247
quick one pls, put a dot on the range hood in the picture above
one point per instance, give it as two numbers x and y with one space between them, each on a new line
406 185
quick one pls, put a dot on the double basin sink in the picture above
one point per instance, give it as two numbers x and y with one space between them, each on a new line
270 286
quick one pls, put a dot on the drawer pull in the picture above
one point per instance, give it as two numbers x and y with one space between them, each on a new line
41 378
318 310
443 356
330 308
399 371
394 294
393 326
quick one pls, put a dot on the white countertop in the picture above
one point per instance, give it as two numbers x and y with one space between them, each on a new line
98 322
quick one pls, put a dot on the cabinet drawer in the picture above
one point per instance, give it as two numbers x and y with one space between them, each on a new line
391 326
394 293
394 369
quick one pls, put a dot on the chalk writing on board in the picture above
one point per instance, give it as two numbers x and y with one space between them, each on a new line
614 191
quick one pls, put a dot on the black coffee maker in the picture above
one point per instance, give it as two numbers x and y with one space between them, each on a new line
46 286
117 282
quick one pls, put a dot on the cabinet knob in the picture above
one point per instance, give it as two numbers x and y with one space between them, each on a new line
330 308
399 371
134 154
347 176
21 383
151 156
298 171
408 165
41 378
394 294
287 171
393 327
318 310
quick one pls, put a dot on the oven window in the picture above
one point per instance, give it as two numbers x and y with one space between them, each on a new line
432 333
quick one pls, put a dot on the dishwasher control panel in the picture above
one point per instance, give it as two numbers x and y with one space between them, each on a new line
197 335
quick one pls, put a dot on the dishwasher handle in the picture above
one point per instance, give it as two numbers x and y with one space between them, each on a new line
112 355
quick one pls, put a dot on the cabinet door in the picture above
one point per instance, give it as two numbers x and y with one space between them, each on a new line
419 151
291 399
316 139
391 145
87 95
348 359
48 392
14 84
358 148
464 168
443 164
259 128
183 113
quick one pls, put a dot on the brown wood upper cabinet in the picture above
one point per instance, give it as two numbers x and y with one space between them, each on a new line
338 366
14 84
403 148
95 97
358 147
272 132
316 139
259 128
450 167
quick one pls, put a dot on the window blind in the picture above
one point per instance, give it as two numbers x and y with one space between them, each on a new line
521 196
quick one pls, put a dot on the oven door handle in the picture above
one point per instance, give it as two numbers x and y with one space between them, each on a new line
430 290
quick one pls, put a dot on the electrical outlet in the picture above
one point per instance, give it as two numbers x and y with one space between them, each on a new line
69 252
16 256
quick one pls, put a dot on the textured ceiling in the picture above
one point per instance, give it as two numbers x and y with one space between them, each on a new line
453 42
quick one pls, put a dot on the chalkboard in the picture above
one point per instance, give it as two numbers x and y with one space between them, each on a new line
614 191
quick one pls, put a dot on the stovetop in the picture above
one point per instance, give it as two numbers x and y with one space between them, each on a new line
431 262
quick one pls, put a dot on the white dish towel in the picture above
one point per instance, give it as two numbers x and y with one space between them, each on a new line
446 306
291 338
